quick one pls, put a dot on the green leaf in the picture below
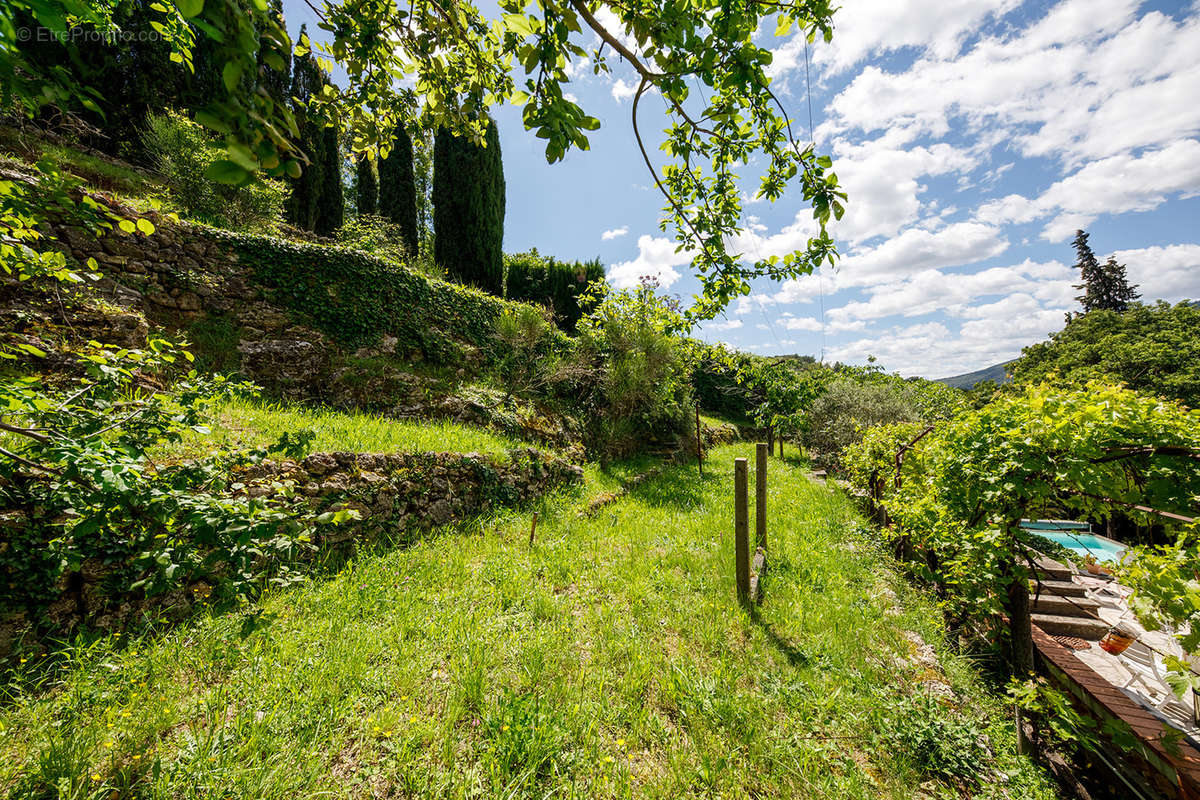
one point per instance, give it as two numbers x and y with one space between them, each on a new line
226 171
231 74
189 8
145 226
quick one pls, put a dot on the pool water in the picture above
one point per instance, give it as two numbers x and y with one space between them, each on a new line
1086 543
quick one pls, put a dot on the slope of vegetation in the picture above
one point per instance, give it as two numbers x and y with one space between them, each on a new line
608 659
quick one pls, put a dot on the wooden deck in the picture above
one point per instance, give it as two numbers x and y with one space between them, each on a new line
1170 764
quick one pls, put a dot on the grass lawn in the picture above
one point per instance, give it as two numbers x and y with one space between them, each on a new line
252 423
609 659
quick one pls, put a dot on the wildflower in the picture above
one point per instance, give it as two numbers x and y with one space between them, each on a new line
96 776
608 759
124 713
376 729
503 727
620 742
388 732
109 743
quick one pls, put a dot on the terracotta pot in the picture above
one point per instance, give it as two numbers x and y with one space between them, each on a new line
1116 641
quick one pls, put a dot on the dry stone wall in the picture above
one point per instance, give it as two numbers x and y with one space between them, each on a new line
398 497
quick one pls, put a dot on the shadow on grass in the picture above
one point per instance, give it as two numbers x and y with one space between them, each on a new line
675 485
795 656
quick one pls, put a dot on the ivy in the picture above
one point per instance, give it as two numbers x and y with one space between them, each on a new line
355 298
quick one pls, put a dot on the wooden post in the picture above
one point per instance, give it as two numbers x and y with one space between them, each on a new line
771 439
741 529
699 447
533 528
760 495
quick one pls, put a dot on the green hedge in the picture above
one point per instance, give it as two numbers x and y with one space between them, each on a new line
355 298
534 278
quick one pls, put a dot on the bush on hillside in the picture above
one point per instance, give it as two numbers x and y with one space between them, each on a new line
1152 349
639 397
182 151
849 406
562 286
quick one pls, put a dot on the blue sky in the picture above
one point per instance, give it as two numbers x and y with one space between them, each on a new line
973 136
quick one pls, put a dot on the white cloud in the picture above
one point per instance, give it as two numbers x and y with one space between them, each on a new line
656 259
881 179
1089 79
1169 273
721 327
802 324
622 90
872 26
614 233
933 350
1113 185
933 291
916 249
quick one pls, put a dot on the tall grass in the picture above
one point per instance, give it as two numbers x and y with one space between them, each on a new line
609 659
241 422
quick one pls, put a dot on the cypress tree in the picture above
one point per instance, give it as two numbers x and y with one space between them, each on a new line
366 190
468 209
301 206
398 189
331 205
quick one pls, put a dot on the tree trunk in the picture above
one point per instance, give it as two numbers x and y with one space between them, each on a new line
1020 628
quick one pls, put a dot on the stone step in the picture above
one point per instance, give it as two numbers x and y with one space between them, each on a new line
1061 588
1056 625
1052 570
1065 606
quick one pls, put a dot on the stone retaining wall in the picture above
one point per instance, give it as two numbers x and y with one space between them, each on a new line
397 495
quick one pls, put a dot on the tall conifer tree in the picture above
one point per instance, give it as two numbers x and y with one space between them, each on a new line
398 189
366 188
331 205
1090 275
1105 286
468 209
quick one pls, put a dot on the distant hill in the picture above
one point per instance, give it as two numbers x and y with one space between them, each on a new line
996 372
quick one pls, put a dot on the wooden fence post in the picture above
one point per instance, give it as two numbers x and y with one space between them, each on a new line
741 529
771 439
699 446
760 495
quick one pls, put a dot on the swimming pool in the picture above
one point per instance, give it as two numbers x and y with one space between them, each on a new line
1103 548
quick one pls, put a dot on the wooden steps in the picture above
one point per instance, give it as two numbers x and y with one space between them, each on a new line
1062 588
1064 606
1088 628
1051 570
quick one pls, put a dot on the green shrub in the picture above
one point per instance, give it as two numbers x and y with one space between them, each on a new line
638 396
1153 349
848 407
559 285
182 150
935 740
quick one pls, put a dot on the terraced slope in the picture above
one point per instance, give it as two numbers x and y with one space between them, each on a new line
608 659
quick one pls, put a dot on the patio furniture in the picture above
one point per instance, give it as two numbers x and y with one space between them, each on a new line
1146 671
